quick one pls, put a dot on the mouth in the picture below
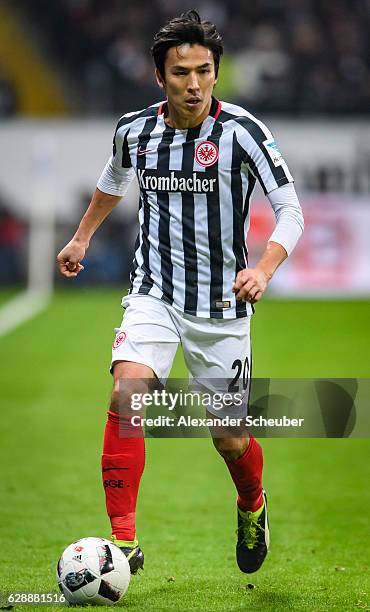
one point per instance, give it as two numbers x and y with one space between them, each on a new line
192 102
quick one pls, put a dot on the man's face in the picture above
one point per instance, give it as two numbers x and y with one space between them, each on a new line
189 79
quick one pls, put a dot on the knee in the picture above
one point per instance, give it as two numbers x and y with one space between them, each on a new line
124 394
231 448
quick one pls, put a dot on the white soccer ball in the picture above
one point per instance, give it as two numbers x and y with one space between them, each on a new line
93 571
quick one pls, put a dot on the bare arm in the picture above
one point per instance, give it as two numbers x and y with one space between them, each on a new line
100 207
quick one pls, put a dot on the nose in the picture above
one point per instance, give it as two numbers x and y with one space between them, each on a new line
193 83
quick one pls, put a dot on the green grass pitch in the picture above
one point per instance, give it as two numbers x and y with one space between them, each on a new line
55 389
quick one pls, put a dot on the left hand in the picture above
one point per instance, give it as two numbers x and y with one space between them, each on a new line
250 284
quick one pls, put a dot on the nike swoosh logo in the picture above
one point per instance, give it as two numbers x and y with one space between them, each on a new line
113 468
144 151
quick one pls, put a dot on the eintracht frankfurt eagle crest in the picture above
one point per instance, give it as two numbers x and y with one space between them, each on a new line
206 153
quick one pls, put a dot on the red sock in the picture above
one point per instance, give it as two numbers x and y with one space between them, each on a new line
122 466
246 472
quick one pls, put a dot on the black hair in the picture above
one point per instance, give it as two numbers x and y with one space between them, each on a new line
188 28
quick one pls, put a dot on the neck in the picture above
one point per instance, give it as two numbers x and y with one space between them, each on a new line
182 122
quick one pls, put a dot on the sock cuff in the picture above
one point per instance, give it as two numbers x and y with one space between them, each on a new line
116 417
113 417
125 543
255 514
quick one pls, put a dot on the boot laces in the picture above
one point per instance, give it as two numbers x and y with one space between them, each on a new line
250 529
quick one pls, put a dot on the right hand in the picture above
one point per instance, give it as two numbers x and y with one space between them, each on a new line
69 259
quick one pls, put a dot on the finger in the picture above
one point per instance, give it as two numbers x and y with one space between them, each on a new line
241 278
69 274
257 297
76 271
79 267
252 286
72 265
243 296
246 289
64 270
253 293
63 267
239 283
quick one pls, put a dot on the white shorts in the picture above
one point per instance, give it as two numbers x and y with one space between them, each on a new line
217 352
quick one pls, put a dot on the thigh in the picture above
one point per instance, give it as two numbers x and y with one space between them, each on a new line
218 355
146 336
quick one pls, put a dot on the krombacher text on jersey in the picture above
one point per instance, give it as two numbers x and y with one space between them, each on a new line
152 180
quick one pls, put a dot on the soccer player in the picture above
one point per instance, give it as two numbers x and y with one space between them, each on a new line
197 160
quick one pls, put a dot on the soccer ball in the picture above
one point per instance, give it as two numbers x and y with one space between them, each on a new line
93 571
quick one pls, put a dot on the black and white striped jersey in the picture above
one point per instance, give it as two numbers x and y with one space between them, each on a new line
195 189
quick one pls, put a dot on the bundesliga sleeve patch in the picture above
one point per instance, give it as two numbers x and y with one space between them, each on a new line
206 153
273 151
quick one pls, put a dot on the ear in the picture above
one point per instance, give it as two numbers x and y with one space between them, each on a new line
216 77
159 79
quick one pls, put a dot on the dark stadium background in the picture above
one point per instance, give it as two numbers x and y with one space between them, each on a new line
68 70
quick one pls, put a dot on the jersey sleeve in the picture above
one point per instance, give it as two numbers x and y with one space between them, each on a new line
118 172
288 215
261 155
